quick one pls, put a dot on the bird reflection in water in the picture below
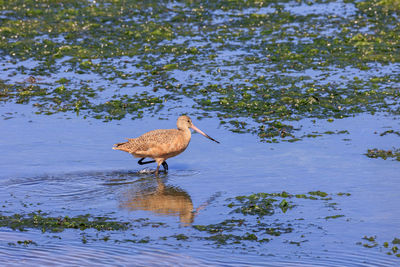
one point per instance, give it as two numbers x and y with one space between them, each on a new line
162 200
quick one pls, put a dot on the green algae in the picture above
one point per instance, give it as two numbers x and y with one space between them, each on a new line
384 247
135 105
230 60
318 193
23 242
384 154
334 216
37 220
266 204
136 241
225 239
259 213
227 232
62 99
181 237
390 132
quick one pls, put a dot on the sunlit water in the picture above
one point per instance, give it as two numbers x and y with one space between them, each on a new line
66 167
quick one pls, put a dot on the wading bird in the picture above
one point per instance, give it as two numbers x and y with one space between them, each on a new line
161 144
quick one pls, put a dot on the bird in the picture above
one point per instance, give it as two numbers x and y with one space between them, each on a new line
161 144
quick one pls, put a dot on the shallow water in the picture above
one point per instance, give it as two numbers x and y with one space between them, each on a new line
52 165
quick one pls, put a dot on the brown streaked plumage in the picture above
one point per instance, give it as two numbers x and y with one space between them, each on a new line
161 144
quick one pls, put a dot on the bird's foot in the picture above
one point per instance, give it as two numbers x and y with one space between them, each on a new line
165 165
146 171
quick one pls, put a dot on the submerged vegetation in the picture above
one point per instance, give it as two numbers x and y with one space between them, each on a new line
235 59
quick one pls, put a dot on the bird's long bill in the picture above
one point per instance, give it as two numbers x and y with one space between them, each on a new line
202 133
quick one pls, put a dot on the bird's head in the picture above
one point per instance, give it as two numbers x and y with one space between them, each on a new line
185 122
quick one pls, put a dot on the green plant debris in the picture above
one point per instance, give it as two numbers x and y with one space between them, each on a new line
370 245
259 233
318 134
137 241
371 238
297 243
261 204
256 71
390 132
259 215
318 193
266 204
26 242
384 154
396 241
343 194
334 216
181 237
44 223
385 247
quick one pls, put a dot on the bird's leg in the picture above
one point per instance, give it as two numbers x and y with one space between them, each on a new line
147 162
165 165
158 167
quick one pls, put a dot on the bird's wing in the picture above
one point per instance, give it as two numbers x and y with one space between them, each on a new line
151 140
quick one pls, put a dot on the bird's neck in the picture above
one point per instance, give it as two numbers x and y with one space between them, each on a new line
186 133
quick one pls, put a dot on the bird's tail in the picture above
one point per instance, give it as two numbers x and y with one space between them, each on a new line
120 146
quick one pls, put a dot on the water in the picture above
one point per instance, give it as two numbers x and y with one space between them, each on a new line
63 165
52 165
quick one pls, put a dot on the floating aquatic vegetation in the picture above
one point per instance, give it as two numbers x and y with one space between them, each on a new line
262 218
261 204
23 242
384 154
334 216
390 248
37 220
390 132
